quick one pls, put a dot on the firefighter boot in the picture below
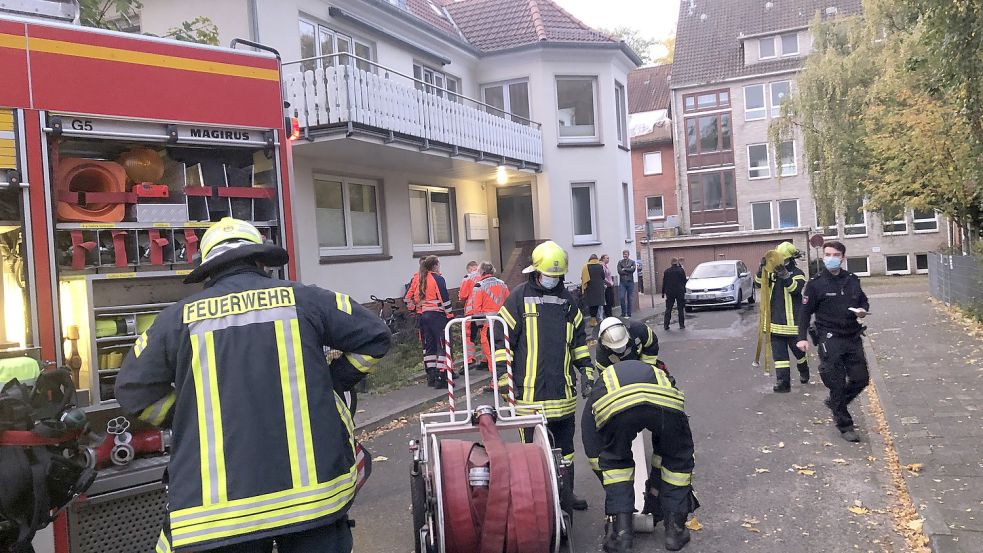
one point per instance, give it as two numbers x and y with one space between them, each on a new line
677 534
784 384
652 505
430 378
618 533
576 503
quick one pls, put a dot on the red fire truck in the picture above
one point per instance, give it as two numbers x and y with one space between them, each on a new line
116 151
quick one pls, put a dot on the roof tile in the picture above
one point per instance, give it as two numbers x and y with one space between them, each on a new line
648 88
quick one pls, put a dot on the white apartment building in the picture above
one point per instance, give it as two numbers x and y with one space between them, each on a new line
469 129
735 62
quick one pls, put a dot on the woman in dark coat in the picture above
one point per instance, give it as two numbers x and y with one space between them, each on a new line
592 285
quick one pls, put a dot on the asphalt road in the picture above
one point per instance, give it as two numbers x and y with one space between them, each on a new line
772 473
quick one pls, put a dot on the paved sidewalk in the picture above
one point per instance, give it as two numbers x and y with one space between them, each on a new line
930 381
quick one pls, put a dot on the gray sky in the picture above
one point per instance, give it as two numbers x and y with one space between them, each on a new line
653 18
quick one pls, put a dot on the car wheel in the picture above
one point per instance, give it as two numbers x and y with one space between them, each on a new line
750 300
740 298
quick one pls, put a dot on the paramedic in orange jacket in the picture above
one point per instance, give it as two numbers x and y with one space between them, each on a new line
486 298
464 294
428 297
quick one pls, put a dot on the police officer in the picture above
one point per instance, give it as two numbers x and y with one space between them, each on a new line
838 302
622 341
628 397
786 283
263 444
548 338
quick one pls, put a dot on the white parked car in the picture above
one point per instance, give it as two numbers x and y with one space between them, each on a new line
719 283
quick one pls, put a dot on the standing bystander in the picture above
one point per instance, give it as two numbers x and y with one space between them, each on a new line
609 285
626 282
674 292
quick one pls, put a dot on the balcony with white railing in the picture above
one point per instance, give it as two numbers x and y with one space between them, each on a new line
342 93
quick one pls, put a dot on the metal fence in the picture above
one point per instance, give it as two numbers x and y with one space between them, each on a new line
956 279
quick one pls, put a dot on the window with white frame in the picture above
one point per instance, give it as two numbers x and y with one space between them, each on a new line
897 265
854 220
893 221
511 97
925 220
655 207
921 263
347 215
576 103
779 93
436 82
584 213
788 213
790 44
317 40
758 166
621 113
787 159
754 102
432 218
766 47
652 163
859 266
761 215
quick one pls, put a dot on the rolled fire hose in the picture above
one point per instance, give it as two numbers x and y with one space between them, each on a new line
773 260
498 497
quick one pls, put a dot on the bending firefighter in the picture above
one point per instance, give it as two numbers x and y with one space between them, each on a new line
624 341
487 296
428 297
782 283
263 443
628 397
548 339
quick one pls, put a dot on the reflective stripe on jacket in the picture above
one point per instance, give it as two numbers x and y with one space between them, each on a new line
263 442
487 296
435 297
643 345
548 338
628 384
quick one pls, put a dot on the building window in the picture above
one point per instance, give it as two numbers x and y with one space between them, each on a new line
859 266
921 263
576 102
786 157
766 47
779 93
826 227
897 265
436 82
893 220
511 98
790 44
654 207
705 101
652 163
855 221
925 220
761 215
347 215
718 192
788 213
584 216
708 133
317 41
758 166
621 113
432 218
754 102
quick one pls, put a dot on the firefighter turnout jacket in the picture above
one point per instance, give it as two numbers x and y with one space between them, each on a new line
625 385
643 345
786 300
548 339
263 443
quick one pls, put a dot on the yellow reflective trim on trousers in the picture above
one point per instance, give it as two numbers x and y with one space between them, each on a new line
551 408
615 476
594 463
676 478
656 461
782 364
532 341
219 444
305 412
650 359
163 545
784 330
288 403
509 319
568 457
802 361
157 411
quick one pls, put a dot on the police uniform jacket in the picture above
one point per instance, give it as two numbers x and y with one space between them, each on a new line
623 386
263 444
643 345
548 340
786 300
829 297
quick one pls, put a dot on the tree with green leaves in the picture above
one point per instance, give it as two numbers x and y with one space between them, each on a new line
124 15
669 44
639 43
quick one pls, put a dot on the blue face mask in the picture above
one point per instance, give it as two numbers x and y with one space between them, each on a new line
832 263
548 282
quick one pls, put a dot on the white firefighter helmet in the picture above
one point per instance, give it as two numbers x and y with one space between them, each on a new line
613 334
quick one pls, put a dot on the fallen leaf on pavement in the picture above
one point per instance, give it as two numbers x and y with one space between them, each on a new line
694 524
765 450
759 471
858 510
840 461
806 472
871 458
380 459
781 444
916 524
914 468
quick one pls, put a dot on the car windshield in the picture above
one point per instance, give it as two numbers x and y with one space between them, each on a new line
714 271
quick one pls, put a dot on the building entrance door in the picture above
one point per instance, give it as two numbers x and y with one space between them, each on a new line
515 224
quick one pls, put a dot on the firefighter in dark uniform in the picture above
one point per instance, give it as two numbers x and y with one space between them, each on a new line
835 297
787 283
263 445
628 397
548 338
622 341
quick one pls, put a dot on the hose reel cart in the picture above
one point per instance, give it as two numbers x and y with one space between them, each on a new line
474 490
